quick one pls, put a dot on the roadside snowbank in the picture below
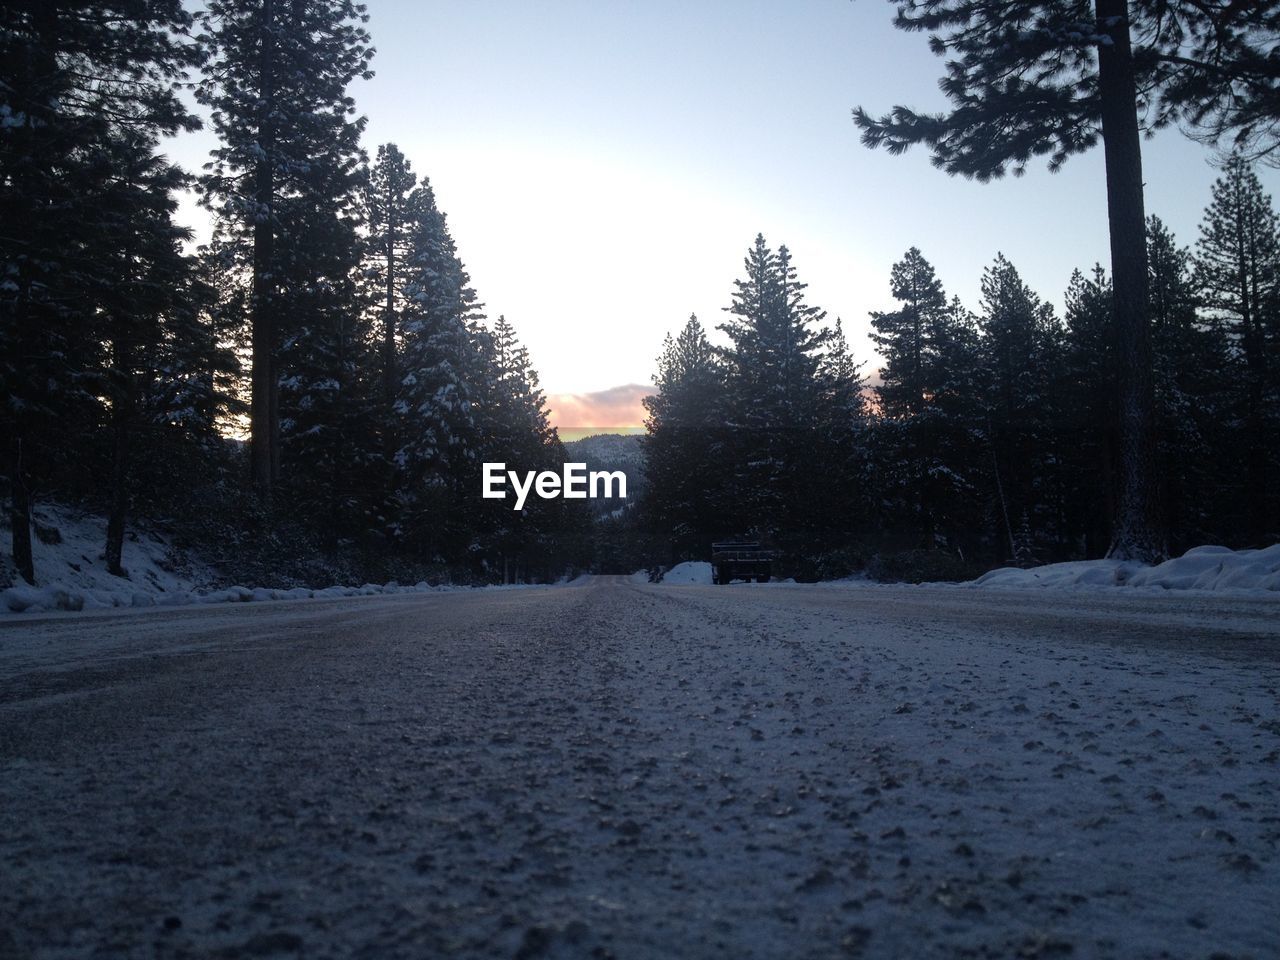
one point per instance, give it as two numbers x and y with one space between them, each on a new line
27 599
691 571
67 546
71 571
1200 568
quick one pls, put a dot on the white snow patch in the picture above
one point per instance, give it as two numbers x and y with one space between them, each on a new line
1200 568
71 574
691 571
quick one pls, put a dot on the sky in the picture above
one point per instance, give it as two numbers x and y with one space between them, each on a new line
606 164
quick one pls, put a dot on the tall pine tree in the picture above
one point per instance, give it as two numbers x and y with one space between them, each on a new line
1238 275
441 369
684 440
275 79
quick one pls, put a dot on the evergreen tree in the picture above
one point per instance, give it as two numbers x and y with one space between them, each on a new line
1191 367
684 441
328 397
146 279
389 215
1238 275
1021 346
88 87
835 496
517 431
771 389
928 404
275 80
908 337
441 369
1087 425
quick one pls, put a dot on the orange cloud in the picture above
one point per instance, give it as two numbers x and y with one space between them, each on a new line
615 407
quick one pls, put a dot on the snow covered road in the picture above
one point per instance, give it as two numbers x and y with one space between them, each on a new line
619 769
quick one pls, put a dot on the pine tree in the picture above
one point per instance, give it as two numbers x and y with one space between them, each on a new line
328 397
835 499
276 78
1087 423
1021 345
771 387
141 246
441 367
389 216
1238 275
906 337
684 439
1190 367
86 87
517 431
928 403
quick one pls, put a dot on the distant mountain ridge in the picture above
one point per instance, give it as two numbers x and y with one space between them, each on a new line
612 451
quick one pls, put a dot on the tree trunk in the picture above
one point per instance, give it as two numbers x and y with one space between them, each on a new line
121 415
1255 433
391 436
20 512
119 496
1137 532
389 312
263 414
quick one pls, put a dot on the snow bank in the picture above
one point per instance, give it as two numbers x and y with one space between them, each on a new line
1200 568
691 571
72 573
67 546
26 599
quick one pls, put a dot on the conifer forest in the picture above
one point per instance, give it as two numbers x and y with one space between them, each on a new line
311 393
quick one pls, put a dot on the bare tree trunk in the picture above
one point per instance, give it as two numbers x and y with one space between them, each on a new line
389 310
1137 532
1255 432
263 414
20 512
121 416
391 436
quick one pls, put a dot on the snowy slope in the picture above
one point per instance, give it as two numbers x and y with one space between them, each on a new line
71 573
1201 568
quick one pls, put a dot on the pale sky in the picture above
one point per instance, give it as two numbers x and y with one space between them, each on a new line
605 165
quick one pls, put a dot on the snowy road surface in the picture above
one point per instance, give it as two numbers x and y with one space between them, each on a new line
619 769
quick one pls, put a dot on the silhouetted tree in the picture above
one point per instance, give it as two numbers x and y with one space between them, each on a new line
1238 275
275 80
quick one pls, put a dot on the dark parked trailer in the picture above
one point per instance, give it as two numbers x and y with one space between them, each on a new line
740 560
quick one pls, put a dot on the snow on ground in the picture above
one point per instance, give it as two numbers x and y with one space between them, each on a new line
1201 568
71 572
691 571
624 769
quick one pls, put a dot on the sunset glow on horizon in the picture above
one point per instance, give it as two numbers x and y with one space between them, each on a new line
615 409
605 169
